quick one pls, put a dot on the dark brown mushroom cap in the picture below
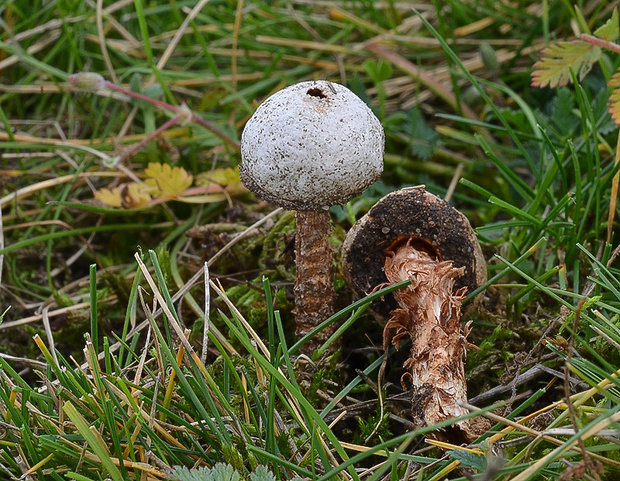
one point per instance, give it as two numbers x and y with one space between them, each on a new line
410 212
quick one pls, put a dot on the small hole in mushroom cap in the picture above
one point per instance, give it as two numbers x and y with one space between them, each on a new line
315 92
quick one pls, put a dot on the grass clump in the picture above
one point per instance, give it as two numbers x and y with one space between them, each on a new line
188 359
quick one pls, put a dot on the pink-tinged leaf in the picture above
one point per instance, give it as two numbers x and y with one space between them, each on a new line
614 98
554 68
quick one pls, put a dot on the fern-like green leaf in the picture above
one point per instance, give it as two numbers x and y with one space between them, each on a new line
262 474
469 460
554 68
611 30
424 139
614 97
219 472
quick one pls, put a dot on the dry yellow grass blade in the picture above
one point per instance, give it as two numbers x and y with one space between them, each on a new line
614 195
592 431
57 312
81 143
31 189
306 44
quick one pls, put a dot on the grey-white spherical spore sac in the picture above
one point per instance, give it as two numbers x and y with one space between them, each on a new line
310 146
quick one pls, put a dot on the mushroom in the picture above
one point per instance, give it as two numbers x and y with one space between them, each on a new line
413 235
306 148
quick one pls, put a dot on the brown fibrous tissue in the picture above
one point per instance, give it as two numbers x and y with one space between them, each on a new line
429 314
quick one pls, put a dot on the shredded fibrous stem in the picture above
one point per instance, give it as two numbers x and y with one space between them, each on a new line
429 315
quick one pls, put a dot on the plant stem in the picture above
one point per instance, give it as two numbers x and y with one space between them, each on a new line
314 292
599 42
430 315
159 130
183 110
93 82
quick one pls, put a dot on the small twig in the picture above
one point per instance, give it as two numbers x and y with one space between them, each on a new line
102 41
205 331
159 130
529 375
380 376
1 243
56 312
183 110
458 172
613 199
32 188
524 378
179 34
48 332
235 41
95 83
571 408
25 360
599 42
178 295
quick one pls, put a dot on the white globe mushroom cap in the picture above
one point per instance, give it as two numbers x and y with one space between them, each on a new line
310 146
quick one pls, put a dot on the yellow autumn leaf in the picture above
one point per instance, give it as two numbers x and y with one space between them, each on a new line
127 196
557 61
614 98
111 198
167 180
223 177
136 195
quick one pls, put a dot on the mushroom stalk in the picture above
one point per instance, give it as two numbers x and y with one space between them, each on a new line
314 292
429 314
307 147
413 235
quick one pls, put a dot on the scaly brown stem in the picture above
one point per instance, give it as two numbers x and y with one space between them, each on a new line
314 292
429 315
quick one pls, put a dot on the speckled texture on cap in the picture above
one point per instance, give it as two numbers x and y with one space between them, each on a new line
310 146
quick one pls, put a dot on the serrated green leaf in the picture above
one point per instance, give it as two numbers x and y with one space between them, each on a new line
262 474
611 30
154 91
600 109
516 117
469 460
384 70
219 472
554 68
358 87
561 115
224 472
378 71
424 139
134 83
